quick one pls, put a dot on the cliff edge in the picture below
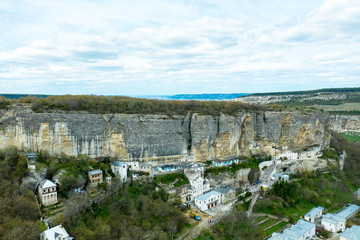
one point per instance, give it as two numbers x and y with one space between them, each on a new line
161 137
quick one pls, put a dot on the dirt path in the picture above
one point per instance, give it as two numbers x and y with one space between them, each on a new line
195 231
253 201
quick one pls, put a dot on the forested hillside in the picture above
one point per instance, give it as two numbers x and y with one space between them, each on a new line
19 216
102 104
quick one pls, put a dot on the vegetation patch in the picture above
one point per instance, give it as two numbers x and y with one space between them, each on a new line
18 208
351 136
236 225
137 212
251 162
178 179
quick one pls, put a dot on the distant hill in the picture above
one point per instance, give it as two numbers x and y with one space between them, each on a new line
333 100
207 96
17 96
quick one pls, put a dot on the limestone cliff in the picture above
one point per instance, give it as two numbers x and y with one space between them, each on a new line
344 123
160 137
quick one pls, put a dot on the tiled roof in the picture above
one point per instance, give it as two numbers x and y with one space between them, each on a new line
348 211
313 212
352 233
224 190
95 172
47 183
333 218
295 232
206 196
118 163
53 233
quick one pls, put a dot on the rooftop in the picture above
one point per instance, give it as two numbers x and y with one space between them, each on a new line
295 232
226 160
118 163
332 218
97 171
55 232
169 166
206 196
46 183
348 211
224 190
352 233
313 212
31 155
358 192
145 165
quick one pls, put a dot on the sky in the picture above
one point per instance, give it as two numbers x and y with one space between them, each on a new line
165 47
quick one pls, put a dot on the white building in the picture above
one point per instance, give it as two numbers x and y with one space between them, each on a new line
198 184
333 223
227 194
208 200
55 233
302 230
120 169
224 163
352 233
145 167
133 166
108 179
286 155
349 211
47 192
313 214
280 177
169 168
357 194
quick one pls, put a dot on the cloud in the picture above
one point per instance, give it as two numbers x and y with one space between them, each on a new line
168 47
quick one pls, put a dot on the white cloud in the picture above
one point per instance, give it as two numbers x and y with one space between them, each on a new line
153 47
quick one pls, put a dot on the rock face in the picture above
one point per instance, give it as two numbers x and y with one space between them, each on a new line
344 123
159 137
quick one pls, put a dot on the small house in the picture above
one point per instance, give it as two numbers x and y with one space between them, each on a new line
169 168
31 160
55 233
134 166
357 194
280 177
333 223
47 192
224 163
108 179
95 177
352 233
145 167
208 200
120 170
313 214
227 194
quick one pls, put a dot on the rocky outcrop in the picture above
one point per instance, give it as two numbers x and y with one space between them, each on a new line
345 123
159 137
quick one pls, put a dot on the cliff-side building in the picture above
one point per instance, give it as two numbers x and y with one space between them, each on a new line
120 170
333 223
95 177
55 233
208 200
47 192
313 214
198 184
